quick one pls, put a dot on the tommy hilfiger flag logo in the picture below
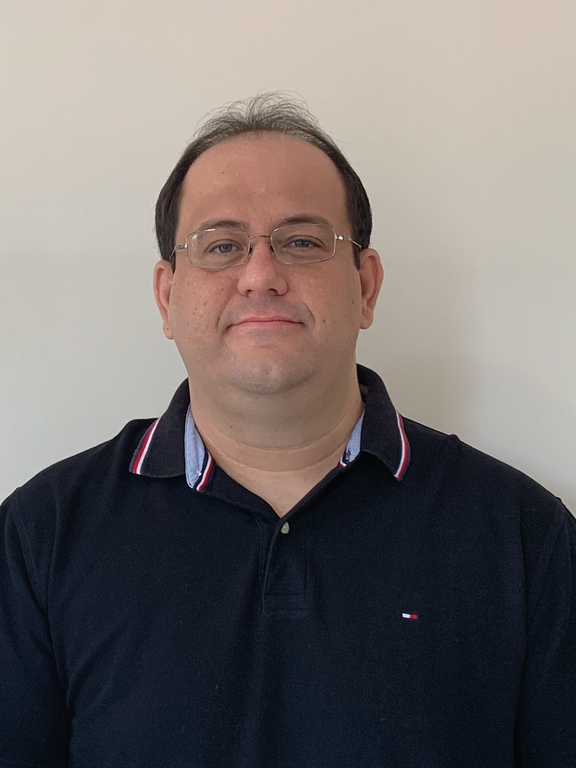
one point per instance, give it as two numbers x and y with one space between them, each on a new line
410 616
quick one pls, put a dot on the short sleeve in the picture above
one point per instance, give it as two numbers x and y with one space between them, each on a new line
34 723
546 724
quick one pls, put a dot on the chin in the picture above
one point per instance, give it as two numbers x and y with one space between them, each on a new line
268 377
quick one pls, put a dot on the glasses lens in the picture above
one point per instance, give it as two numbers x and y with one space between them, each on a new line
303 243
217 248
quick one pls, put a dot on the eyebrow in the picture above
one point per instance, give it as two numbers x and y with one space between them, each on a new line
300 218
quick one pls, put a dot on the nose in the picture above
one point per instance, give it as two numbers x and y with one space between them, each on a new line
262 273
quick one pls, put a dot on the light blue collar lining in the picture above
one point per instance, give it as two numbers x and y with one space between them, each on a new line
195 453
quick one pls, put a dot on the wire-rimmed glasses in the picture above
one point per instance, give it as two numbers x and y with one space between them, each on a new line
223 247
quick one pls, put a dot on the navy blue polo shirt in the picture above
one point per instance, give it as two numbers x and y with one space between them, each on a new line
416 609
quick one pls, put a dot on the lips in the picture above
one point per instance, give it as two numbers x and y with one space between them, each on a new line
262 318
266 319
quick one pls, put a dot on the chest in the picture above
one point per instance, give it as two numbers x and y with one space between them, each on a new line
196 626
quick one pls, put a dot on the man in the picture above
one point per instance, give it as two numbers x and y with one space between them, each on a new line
280 570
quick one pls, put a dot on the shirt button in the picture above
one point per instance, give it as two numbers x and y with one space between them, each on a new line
285 528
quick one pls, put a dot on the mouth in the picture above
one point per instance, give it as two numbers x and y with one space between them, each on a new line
264 323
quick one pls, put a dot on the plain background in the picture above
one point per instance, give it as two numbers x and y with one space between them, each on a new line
459 116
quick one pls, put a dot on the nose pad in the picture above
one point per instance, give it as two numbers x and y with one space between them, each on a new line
270 246
263 275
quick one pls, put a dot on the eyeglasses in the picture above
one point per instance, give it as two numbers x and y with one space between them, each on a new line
221 248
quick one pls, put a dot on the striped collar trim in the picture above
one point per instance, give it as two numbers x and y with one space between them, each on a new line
354 446
171 445
160 451
383 432
142 451
404 449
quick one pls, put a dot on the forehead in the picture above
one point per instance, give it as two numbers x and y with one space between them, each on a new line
262 179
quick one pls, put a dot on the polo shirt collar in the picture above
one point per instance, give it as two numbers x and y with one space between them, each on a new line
383 433
160 452
172 446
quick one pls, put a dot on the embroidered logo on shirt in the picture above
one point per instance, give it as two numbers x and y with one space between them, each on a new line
410 616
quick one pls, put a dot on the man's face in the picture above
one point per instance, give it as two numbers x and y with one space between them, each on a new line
265 326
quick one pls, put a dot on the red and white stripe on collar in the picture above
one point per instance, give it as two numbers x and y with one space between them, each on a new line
140 457
404 451
203 481
200 464
353 448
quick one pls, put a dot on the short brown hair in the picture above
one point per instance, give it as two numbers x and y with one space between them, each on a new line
264 112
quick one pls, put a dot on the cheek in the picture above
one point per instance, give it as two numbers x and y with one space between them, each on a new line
195 306
343 300
337 310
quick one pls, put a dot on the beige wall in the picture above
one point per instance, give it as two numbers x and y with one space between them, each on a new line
459 116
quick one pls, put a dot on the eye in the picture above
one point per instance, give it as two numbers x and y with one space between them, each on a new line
301 242
225 249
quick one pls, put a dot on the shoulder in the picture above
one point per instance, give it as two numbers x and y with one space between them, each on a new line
505 516
81 475
479 483
45 514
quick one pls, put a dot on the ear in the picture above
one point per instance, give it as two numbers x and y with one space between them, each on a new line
162 283
371 277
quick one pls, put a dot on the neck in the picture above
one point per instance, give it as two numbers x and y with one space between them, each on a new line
289 432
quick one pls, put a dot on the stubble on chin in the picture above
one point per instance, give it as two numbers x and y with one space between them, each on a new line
268 376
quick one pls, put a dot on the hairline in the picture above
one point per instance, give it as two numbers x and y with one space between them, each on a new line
260 133
262 114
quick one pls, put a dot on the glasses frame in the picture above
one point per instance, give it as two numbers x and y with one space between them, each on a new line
250 248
